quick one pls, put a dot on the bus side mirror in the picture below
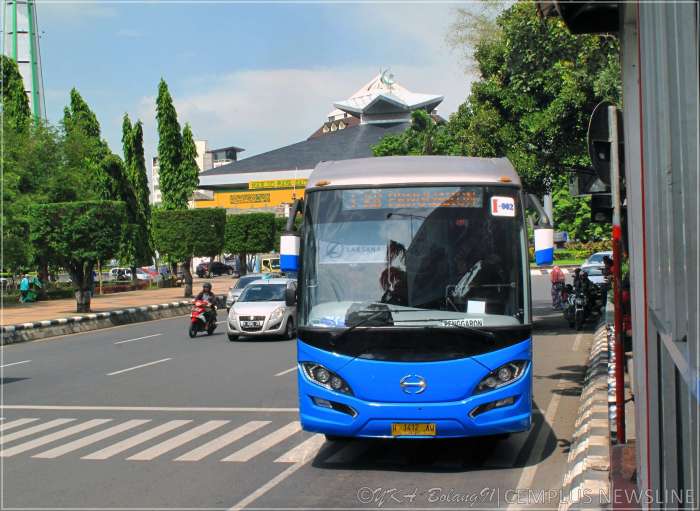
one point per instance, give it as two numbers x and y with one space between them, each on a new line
290 296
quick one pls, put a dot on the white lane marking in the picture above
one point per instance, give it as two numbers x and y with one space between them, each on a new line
133 441
274 481
577 341
15 364
149 408
177 440
138 338
303 451
286 371
34 429
528 474
266 442
13 424
52 437
220 442
139 366
90 439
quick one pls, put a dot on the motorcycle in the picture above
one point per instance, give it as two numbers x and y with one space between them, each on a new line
198 319
576 308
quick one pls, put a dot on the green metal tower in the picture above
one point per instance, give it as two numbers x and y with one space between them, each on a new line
20 41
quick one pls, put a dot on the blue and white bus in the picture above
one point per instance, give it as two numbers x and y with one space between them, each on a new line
414 310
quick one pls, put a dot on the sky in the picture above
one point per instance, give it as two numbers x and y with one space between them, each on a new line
253 75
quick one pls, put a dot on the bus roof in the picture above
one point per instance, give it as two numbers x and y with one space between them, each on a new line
407 170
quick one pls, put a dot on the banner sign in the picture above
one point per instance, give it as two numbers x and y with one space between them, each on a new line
277 183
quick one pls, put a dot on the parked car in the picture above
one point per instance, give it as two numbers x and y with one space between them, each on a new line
595 274
595 260
235 291
124 274
215 268
262 310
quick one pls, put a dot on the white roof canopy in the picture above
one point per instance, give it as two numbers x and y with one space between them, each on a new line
383 100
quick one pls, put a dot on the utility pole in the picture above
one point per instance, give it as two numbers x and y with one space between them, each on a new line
617 274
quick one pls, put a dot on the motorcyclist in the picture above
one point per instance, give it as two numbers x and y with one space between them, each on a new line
209 297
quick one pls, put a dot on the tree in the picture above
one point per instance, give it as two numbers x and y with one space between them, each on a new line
250 233
84 147
169 151
573 215
138 175
186 233
134 247
189 171
137 247
539 84
75 235
127 142
15 104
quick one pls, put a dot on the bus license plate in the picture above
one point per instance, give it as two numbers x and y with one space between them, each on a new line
419 429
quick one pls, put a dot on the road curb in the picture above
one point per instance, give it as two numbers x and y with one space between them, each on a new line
22 332
587 481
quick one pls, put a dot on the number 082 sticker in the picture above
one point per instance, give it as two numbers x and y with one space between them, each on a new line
502 206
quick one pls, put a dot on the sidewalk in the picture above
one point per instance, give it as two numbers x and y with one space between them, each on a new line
54 309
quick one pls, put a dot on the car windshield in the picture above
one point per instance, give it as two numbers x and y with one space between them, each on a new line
594 272
263 293
596 258
440 256
244 281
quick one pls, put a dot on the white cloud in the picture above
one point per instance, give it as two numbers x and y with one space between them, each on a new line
265 109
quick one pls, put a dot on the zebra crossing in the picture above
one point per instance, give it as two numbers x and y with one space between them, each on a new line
143 440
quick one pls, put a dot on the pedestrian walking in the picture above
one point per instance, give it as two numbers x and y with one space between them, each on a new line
558 279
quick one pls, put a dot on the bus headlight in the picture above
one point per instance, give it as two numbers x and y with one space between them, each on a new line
325 378
503 375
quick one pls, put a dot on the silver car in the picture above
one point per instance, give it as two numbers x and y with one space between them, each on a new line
261 310
595 260
235 291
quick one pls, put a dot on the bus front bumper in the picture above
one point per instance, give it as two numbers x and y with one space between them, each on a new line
504 410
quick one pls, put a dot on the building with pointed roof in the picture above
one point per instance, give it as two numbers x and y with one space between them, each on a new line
270 180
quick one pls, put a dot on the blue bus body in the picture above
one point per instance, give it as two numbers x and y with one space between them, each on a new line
392 345
447 401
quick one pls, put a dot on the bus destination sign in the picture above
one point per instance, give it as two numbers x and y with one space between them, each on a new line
412 198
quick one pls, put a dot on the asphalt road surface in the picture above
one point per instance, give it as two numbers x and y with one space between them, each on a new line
141 416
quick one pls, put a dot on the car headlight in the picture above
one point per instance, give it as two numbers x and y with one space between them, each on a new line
325 378
277 314
503 375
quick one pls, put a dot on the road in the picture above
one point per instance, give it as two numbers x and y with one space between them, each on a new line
141 416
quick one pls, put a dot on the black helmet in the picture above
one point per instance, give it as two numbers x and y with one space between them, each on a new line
206 286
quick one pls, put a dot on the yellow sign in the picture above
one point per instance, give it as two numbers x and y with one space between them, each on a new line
277 183
247 200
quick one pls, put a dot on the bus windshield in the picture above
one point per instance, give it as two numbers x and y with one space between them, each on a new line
414 256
